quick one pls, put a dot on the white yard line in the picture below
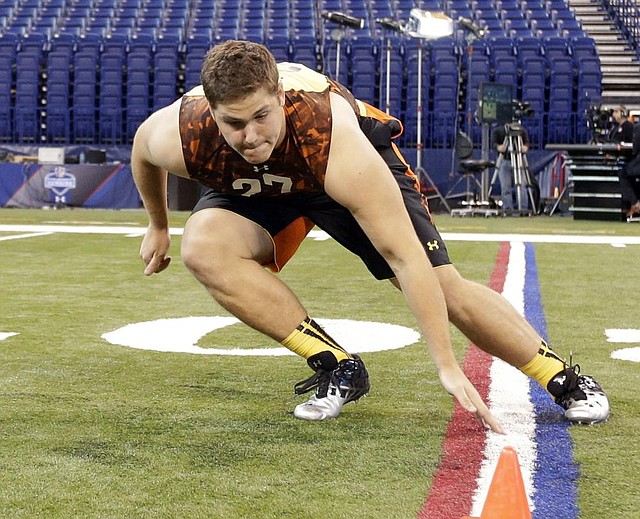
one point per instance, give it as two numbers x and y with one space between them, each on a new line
615 241
20 236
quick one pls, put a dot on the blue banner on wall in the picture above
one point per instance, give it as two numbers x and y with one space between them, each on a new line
108 186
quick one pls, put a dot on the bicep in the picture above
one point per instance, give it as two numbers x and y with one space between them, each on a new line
359 179
157 142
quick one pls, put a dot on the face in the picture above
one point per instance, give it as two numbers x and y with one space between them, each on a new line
617 115
254 125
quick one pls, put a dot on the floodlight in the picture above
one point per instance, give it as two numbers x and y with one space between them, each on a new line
428 25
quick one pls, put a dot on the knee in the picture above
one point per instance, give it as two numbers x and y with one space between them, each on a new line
200 257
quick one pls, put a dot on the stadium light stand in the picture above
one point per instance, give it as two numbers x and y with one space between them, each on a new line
343 21
426 25
390 26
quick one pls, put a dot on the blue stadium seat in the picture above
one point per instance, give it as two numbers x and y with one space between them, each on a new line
506 71
305 50
528 47
27 97
110 101
196 48
7 62
364 61
83 113
57 97
165 78
138 107
110 110
555 47
279 47
501 47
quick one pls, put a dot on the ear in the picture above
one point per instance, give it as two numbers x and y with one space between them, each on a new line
280 93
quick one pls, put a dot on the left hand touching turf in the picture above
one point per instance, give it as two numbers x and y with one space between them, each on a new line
153 250
458 385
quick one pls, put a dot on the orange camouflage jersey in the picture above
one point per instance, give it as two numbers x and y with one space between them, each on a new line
298 164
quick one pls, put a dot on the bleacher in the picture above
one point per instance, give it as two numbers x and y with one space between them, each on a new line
89 71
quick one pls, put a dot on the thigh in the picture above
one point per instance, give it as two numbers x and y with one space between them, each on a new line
265 228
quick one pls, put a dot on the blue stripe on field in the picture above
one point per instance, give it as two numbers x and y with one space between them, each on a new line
555 480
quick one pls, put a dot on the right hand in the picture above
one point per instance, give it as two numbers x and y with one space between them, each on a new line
458 385
153 250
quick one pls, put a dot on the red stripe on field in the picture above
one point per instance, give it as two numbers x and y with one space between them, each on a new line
451 494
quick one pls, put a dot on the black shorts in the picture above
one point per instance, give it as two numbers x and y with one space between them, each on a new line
282 217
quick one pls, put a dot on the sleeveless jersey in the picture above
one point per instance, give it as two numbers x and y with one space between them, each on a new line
297 165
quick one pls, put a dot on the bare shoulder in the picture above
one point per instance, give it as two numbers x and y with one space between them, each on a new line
348 142
158 142
342 114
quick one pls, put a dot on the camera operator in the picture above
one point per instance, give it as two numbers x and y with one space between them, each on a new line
622 130
501 143
630 178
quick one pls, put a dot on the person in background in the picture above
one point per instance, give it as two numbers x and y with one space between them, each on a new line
503 144
622 128
630 178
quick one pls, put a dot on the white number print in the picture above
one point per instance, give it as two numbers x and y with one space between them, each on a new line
255 186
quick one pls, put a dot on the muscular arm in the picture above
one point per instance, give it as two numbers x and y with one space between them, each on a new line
156 150
359 179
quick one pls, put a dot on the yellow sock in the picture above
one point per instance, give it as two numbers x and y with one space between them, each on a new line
544 366
309 339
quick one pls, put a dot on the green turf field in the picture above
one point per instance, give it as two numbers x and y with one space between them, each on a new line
93 430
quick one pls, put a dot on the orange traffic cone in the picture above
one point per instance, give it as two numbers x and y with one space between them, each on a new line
507 498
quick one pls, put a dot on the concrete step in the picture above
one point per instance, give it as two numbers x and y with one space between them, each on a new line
631 72
628 98
607 38
616 59
604 50
577 5
588 19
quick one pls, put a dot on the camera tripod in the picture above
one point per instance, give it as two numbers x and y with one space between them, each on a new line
519 169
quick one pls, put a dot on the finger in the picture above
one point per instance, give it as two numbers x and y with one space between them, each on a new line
157 264
480 410
488 420
164 264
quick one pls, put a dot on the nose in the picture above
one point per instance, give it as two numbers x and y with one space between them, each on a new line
250 134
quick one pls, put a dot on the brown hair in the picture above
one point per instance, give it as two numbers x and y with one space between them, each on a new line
235 69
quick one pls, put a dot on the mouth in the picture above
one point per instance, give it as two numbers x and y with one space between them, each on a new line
256 154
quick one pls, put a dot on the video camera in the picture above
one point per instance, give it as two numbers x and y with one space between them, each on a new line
521 109
599 119
497 105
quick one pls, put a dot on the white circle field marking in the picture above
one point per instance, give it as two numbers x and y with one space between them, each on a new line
624 335
6 335
181 335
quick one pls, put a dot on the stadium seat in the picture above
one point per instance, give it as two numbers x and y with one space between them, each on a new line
165 78
138 96
27 97
363 62
7 62
279 47
506 71
305 50
57 96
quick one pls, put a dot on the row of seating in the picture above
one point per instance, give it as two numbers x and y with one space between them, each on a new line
88 78
101 91
264 19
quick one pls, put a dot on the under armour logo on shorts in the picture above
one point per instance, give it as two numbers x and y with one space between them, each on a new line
433 245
